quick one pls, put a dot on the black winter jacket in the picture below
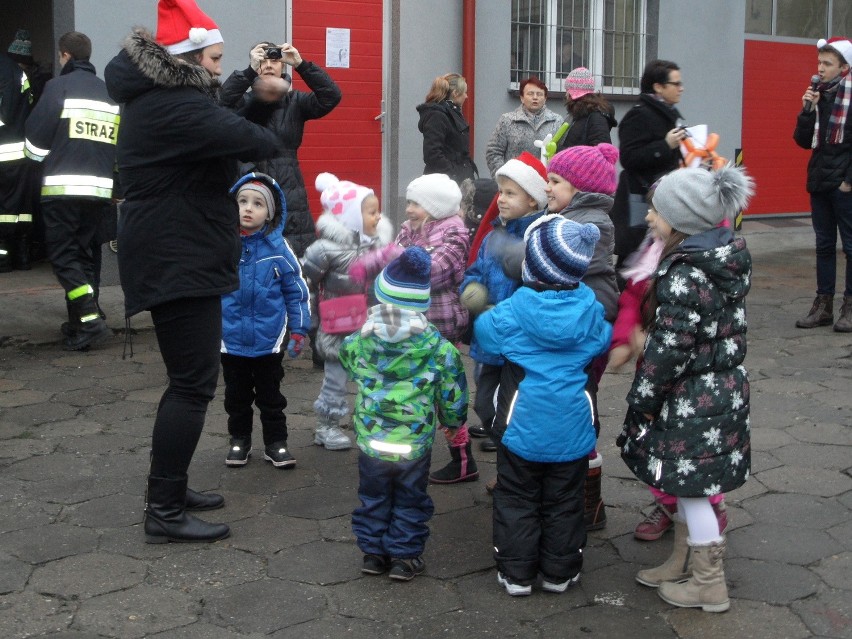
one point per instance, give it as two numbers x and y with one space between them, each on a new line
177 153
645 157
830 164
590 130
80 165
15 99
446 140
286 118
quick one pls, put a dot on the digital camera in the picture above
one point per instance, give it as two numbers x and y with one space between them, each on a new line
272 53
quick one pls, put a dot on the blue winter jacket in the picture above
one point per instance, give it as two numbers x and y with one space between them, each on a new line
272 297
488 271
548 338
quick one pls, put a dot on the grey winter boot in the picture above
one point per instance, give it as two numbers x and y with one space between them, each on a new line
677 567
329 434
821 313
844 322
706 589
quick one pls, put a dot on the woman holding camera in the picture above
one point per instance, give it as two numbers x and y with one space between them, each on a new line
262 93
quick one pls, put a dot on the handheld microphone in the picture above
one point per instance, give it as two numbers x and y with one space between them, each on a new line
814 83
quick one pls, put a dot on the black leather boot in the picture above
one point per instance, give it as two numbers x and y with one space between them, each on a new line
203 501
87 334
166 518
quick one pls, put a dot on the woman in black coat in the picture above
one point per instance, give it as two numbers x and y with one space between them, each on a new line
446 134
650 134
592 116
287 117
179 237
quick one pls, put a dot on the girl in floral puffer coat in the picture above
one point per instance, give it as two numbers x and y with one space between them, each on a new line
687 428
351 226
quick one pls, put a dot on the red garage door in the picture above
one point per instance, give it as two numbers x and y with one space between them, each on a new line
347 142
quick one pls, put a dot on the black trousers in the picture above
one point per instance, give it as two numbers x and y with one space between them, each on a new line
70 226
487 382
538 517
189 332
255 380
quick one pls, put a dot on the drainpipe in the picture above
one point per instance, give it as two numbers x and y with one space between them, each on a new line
469 63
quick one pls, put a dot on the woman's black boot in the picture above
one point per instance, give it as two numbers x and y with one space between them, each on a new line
166 518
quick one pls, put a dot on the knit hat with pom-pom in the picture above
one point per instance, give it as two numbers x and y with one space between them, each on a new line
343 200
696 200
590 169
405 282
558 251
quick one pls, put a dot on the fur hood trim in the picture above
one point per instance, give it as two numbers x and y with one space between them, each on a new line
328 227
162 68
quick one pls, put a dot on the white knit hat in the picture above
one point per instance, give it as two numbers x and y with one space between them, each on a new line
529 173
437 193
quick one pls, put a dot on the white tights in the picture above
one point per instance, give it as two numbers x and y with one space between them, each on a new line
700 519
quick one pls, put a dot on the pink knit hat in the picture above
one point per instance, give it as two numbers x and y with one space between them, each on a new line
590 169
579 82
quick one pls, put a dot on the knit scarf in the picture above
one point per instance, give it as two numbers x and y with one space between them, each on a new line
839 108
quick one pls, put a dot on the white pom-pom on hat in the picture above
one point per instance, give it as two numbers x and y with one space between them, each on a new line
197 35
325 181
821 43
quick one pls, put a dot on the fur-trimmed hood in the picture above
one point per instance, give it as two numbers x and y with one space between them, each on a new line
143 65
328 227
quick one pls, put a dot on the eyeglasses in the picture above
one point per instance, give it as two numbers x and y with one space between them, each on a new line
679 83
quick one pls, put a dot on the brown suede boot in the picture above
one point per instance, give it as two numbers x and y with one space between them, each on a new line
706 589
677 567
594 512
821 313
844 322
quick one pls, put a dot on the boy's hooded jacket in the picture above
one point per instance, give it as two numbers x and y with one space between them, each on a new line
177 152
547 338
409 379
691 378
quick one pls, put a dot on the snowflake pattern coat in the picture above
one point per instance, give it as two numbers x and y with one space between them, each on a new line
692 378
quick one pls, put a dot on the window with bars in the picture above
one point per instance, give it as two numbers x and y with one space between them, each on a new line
810 19
551 37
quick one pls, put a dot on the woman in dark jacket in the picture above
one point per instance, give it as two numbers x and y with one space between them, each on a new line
179 239
650 134
287 117
592 116
446 134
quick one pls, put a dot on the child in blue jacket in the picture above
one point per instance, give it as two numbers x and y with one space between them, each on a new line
272 299
548 332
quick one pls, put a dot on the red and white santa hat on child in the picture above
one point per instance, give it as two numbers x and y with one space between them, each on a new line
182 27
842 45
530 174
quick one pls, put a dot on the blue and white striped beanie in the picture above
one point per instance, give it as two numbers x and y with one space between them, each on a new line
405 282
558 250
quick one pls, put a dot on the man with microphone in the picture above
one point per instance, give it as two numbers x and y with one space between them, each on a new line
825 126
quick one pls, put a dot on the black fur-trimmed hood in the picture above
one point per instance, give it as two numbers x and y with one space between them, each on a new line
143 65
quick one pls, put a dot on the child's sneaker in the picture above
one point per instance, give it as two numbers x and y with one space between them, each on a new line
656 523
514 589
278 454
406 569
374 565
555 586
239 452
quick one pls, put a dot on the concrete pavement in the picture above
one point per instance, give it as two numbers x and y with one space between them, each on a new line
74 438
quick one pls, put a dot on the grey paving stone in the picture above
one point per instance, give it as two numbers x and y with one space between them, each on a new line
12 430
769 439
383 599
822 433
461 624
113 511
337 528
455 557
130 542
23 397
749 619
13 574
16 514
265 606
317 562
75 490
238 506
762 461
52 541
782 544
797 511
118 411
40 413
828 456
267 534
211 569
261 478
603 620
843 534
340 627
84 397
200 630
87 575
317 502
828 614
69 428
808 481
137 612
769 582
836 570
22 448
24 614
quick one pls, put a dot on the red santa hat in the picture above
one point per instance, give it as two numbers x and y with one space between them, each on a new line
529 173
182 26
842 45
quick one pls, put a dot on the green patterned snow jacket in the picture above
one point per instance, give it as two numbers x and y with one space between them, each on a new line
409 379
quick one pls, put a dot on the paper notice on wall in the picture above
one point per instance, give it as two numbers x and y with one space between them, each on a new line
337 48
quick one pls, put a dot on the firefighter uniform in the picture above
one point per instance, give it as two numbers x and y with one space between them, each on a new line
73 130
